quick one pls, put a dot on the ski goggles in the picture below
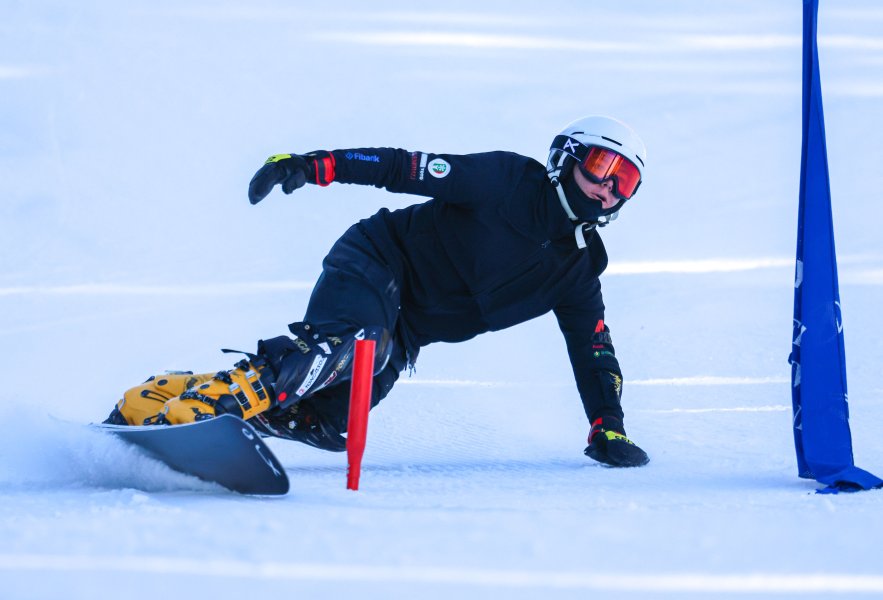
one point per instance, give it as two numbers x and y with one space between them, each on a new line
601 164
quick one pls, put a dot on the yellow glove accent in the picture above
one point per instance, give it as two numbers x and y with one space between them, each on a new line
613 435
277 158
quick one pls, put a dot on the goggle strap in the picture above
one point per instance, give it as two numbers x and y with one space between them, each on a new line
571 146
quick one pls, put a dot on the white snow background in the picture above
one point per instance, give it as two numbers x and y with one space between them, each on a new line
128 134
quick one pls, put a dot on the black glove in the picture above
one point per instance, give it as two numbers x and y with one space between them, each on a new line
608 444
291 170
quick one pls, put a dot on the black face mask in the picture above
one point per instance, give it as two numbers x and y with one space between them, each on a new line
586 209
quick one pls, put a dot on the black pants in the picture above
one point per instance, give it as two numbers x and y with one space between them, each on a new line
356 289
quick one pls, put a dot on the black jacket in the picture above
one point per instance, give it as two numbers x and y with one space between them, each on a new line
491 249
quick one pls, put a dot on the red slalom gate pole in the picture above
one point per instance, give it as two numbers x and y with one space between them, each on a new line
360 404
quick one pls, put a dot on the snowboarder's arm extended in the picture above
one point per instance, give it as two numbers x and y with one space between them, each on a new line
599 380
449 177
592 356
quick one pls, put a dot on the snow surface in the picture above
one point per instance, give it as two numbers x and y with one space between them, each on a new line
128 134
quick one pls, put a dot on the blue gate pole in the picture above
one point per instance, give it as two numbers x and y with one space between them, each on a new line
818 363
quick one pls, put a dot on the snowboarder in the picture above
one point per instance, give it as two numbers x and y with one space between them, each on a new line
501 241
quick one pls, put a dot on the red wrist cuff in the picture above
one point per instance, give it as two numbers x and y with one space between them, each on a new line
323 167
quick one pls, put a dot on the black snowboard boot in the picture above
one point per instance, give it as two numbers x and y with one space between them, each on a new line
608 444
301 423
314 360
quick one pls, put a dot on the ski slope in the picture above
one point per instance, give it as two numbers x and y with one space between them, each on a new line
128 134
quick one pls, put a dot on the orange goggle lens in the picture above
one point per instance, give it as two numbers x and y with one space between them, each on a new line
602 164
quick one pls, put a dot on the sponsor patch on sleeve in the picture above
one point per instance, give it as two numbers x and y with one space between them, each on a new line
439 167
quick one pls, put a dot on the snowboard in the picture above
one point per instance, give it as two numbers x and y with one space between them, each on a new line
225 450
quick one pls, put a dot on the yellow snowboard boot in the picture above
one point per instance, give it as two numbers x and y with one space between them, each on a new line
139 404
239 391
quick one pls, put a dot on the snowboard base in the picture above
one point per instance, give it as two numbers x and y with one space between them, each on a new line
224 450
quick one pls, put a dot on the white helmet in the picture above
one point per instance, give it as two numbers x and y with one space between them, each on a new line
571 147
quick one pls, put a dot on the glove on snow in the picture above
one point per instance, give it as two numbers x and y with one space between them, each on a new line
608 444
292 171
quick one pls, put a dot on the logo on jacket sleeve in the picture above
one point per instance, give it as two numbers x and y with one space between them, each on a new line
362 157
439 168
418 166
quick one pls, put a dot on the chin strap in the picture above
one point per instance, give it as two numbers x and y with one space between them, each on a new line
554 173
578 232
606 219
